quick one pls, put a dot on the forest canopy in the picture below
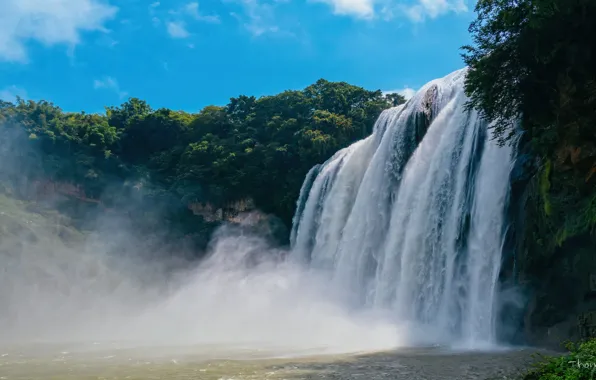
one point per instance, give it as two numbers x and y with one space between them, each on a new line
534 61
259 148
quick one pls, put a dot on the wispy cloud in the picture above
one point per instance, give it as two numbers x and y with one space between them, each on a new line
10 93
152 12
177 29
415 10
179 19
192 9
406 92
107 41
109 83
258 16
48 22
357 8
433 9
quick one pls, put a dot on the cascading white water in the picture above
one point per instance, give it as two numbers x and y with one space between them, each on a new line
411 219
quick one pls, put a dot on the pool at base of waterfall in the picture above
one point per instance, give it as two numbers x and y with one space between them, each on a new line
115 362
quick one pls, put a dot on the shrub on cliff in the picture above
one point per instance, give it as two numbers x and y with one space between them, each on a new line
579 364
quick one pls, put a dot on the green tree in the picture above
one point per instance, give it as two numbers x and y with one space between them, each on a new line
535 61
259 148
119 116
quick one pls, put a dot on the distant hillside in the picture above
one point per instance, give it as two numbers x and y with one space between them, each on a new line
180 171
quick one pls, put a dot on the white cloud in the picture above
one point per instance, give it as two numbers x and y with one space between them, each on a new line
258 16
152 7
434 8
49 22
415 10
357 8
10 93
406 92
177 29
109 83
192 9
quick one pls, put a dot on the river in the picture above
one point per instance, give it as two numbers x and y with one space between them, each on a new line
112 361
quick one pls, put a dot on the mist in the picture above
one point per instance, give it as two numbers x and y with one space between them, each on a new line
113 283
242 296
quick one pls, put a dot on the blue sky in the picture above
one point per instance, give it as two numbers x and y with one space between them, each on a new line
185 54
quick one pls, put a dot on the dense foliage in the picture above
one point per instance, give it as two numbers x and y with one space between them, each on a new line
535 60
251 148
533 66
578 364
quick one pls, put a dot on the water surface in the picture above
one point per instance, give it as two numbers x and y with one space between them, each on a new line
120 361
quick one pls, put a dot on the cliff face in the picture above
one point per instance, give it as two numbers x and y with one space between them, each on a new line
553 243
49 190
228 212
143 207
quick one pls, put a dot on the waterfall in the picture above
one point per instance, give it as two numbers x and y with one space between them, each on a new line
411 220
